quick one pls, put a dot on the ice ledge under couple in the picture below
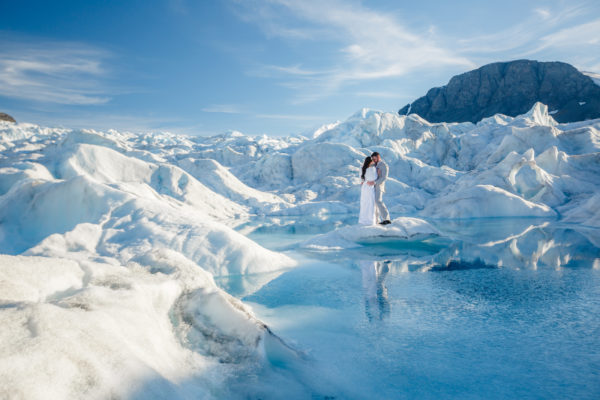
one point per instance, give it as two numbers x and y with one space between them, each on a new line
373 176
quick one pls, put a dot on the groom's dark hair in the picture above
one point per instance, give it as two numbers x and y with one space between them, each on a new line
374 154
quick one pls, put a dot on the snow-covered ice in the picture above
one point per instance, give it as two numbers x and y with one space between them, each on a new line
107 280
111 241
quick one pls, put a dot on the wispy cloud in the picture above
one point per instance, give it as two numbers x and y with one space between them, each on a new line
544 13
584 34
370 45
104 121
52 72
291 117
379 95
549 28
224 109
243 110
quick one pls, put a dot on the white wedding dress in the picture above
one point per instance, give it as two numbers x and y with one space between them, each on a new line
367 214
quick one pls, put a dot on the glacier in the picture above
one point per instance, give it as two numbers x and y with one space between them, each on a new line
114 245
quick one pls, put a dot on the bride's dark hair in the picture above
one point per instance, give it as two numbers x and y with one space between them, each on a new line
366 164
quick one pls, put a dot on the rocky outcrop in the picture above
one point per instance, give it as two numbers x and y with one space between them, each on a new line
511 88
6 117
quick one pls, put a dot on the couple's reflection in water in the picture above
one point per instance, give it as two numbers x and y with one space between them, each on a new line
377 305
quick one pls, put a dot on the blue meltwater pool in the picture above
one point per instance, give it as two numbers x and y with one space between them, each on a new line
493 309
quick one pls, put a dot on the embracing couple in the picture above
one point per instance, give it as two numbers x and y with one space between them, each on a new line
374 174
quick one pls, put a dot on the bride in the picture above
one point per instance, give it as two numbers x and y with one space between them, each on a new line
367 214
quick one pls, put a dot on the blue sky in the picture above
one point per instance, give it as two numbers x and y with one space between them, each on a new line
262 66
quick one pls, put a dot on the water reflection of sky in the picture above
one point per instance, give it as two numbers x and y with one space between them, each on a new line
498 308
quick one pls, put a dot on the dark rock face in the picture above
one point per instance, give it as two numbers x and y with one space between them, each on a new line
511 88
6 117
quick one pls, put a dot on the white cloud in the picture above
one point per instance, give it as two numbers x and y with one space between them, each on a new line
584 34
526 37
542 12
370 45
52 72
92 119
237 109
560 38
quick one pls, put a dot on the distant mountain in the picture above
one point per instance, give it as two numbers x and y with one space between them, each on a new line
594 75
511 88
6 117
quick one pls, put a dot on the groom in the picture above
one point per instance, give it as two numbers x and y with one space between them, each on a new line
382 174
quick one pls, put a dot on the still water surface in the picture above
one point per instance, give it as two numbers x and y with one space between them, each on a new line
498 308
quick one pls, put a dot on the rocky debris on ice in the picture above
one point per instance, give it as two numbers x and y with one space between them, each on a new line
403 228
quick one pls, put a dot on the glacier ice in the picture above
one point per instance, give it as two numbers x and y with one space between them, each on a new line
111 241
107 254
353 235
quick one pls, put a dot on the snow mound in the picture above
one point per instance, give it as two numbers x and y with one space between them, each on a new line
538 115
530 156
107 166
587 214
485 201
84 329
220 180
111 240
109 284
404 228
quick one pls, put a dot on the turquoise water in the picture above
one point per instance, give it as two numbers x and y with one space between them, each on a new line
500 308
